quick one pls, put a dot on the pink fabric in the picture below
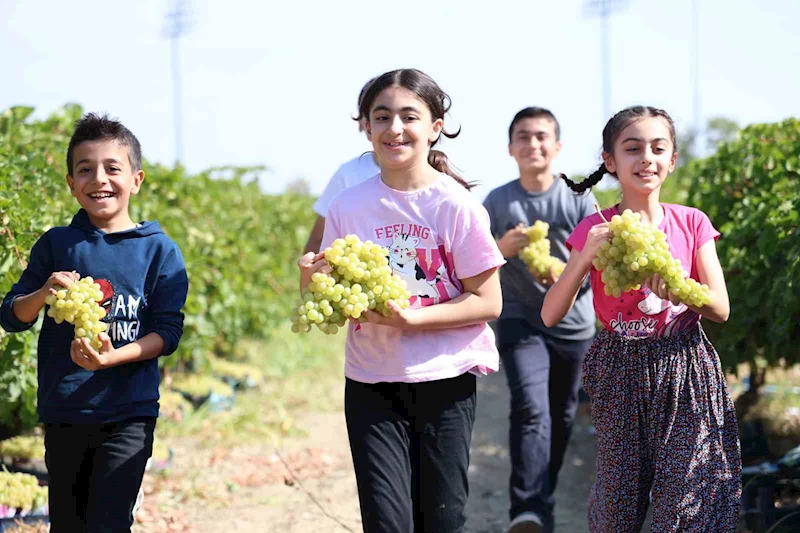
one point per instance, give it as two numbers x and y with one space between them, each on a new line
641 313
436 237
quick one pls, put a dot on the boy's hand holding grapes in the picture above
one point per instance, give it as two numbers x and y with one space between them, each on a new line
58 280
86 357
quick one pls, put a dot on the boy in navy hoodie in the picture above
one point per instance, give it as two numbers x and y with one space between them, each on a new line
99 407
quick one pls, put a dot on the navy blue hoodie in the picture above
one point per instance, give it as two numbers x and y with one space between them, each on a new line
144 283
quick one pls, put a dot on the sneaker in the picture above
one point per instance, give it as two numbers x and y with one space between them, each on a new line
526 523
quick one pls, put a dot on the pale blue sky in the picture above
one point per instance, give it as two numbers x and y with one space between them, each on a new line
275 83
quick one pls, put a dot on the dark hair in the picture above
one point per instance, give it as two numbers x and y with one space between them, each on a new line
613 128
363 92
93 127
534 112
428 91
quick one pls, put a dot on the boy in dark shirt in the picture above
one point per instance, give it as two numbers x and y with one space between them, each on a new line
99 406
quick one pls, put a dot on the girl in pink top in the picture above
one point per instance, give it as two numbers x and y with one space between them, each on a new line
666 427
410 377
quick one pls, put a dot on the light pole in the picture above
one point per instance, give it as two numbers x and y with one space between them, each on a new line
604 9
177 26
698 128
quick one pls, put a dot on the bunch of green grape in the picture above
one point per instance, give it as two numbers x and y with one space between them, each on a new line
361 279
24 447
20 494
78 305
536 255
636 252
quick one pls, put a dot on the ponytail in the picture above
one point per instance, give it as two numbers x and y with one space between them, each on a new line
590 181
439 161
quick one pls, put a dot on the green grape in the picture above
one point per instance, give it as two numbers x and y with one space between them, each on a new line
536 255
638 251
361 279
79 305
23 447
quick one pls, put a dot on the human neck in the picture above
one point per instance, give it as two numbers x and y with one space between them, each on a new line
534 180
415 177
648 207
121 222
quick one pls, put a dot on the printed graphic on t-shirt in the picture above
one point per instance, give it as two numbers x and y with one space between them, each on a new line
658 317
122 313
424 269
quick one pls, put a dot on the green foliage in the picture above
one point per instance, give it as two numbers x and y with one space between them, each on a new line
239 244
749 189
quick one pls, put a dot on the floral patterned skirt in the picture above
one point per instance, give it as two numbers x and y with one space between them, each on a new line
666 433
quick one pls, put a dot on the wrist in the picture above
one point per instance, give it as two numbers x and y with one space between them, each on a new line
41 295
585 259
413 317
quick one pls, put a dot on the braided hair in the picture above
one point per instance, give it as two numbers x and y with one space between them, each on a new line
613 128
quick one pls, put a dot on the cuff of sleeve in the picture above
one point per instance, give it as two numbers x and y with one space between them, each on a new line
169 343
10 320
482 267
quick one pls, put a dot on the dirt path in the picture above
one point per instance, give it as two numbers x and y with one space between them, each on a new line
249 489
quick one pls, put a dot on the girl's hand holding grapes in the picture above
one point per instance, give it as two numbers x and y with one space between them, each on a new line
598 234
310 264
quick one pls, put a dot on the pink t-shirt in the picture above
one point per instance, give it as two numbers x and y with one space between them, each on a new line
436 236
641 313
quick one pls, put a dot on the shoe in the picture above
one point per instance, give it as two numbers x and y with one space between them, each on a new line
526 523
549 524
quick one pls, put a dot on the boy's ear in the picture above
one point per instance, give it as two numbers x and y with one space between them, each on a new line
557 148
138 178
69 182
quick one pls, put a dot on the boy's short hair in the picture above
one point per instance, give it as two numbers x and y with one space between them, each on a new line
94 127
534 112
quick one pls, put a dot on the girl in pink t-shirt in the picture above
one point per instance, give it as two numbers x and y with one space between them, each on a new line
666 427
410 377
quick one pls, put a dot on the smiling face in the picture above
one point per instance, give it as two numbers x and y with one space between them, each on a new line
534 144
401 128
103 181
644 155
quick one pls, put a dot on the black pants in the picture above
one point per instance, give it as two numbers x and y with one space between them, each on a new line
544 376
95 473
410 444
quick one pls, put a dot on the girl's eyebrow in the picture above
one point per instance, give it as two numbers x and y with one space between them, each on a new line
407 109
637 139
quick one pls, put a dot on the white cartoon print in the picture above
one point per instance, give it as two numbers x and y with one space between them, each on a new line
403 260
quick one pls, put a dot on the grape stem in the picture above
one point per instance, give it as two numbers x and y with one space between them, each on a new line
599 212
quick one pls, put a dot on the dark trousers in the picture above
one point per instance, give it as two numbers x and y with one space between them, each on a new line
544 376
410 445
95 473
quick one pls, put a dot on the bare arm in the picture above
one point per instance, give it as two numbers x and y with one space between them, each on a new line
710 272
561 296
26 308
83 355
315 238
480 302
